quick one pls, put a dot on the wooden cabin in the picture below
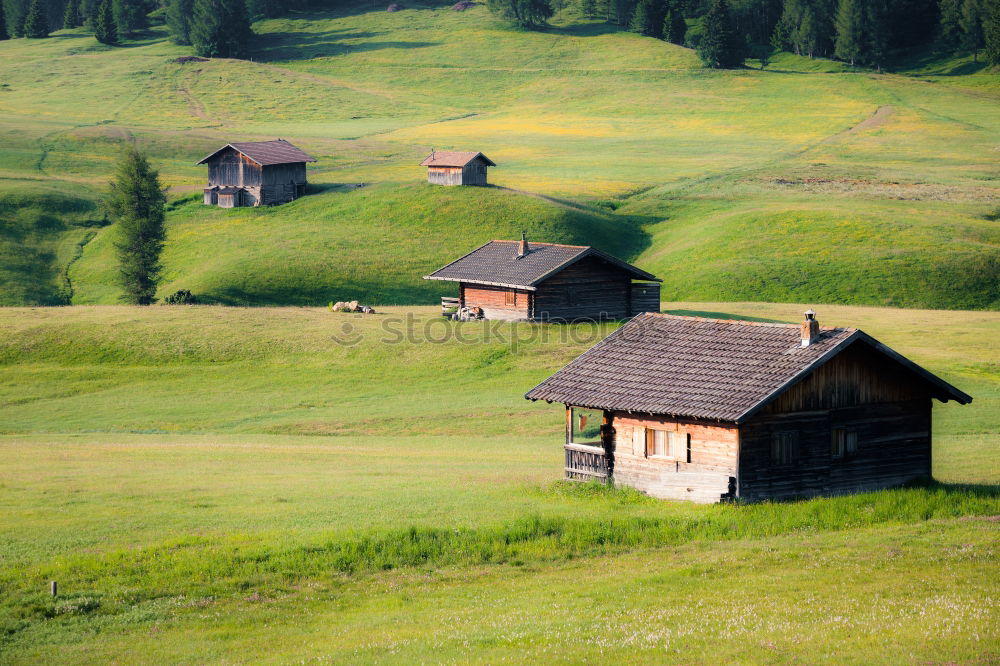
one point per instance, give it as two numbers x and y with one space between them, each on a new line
710 410
255 173
522 281
445 167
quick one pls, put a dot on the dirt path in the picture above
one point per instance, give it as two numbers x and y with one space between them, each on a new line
195 107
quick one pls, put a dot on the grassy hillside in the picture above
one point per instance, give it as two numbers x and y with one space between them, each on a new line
806 181
373 243
208 482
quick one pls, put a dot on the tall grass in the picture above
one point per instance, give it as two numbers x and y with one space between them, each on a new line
201 566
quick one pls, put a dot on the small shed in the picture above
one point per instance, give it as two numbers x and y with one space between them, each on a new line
710 410
445 167
255 173
522 281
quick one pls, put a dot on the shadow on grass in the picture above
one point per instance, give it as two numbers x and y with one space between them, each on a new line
292 45
723 315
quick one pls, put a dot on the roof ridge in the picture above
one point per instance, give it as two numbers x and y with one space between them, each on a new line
743 322
531 242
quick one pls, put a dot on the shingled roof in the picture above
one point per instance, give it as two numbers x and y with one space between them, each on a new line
497 263
266 153
704 368
451 158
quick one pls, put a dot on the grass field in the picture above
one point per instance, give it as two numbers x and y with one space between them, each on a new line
210 482
887 183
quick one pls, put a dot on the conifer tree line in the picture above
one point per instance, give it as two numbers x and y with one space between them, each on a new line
216 28
725 32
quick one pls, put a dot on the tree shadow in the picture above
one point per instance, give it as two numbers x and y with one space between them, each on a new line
723 315
291 45
585 29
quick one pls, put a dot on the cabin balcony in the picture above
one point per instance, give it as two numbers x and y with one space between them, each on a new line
586 463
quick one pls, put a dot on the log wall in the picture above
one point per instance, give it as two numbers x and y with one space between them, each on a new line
272 184
588 289
645 297
893 447
497 302
705 479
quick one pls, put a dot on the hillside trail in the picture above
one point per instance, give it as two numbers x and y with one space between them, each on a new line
568 205
879 117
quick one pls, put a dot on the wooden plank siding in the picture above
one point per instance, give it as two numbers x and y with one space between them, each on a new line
473 173
645 297
706 479
270 184
588 289
860 391
500 303
893 447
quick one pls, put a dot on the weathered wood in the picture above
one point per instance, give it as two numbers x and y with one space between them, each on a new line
259 185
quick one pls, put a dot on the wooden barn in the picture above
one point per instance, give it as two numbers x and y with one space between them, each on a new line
710 410
522 281
255 173
445 167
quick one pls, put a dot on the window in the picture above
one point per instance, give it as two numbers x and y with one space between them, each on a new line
664 444
784 447
586 426
843 443
688 443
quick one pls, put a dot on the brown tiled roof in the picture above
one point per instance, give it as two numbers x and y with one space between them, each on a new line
497 263
451 158
703 368
267 153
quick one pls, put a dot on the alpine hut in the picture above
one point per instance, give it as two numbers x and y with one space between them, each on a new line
710 410
445 167
522 281
255 173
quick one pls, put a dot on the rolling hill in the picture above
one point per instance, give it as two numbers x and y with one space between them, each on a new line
805 181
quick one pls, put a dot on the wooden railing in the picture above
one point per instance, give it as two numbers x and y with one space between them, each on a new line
585 462
449 306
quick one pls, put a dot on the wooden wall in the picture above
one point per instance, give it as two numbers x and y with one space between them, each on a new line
444 175
893 447
473 173
859 391
589 289
645 297
273 184
705 479
497 302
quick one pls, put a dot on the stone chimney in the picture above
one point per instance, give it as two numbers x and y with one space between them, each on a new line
810 329
522 247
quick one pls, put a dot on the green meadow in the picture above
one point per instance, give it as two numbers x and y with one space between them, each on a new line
224 483
282 484
887 182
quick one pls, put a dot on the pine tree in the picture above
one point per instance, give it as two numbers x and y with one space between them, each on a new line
3 23
71 17
950 31
104 24
36 23
721 46
647 18
878 32
674 26
971 22
588 8
179 20
991 35
129 17
220 28
850 44
135 203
